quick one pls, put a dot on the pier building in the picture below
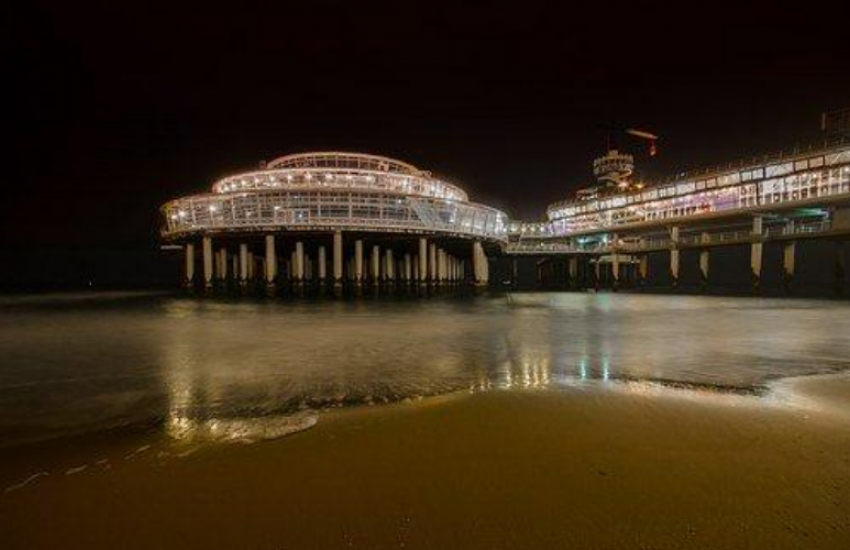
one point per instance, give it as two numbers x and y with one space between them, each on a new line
333 218
607 231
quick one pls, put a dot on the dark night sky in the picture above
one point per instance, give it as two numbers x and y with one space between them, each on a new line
116 108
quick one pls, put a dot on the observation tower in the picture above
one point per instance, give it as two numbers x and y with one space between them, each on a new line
333 218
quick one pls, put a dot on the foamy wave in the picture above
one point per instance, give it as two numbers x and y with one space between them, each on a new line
239 430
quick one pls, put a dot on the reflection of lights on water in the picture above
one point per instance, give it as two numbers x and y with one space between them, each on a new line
187 429
584 371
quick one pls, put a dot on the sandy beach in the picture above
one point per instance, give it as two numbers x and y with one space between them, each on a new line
592 466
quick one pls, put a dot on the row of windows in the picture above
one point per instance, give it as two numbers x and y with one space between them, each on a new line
784 189
829 164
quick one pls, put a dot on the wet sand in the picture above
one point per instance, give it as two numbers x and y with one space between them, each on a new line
593 466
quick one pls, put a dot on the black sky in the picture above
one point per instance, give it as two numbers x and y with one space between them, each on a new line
116 107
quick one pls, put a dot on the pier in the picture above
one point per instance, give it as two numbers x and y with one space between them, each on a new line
334 220
354 220
781 200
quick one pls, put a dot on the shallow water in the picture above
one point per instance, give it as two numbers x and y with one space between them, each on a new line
84 362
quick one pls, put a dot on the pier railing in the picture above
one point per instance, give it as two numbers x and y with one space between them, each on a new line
316 210
690 240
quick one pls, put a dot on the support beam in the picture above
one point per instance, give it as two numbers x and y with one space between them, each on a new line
408 267
271 261
703 266
756 249
358 261
222 274
432 263
789 251
299 262
243 263
705 239
643 269
479 264
208 261
337 257
423 260
390 269
189 268
674 255
376 264
572 271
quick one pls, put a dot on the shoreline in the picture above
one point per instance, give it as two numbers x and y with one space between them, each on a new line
824 393
504 468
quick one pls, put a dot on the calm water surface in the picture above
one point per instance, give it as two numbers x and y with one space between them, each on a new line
77 363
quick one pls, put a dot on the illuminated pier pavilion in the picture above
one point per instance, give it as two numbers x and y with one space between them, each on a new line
608 233
333 218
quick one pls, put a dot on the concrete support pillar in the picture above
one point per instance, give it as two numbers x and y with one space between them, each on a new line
440 257
422 265
299 267
208 261
390 275
243 263
643 268
358 261
597 272
703 266
423 260
250 266
479 264
705 239
416 268
337 257
376 263
222 272
323 264
756 249
189 267
432 262
674 255
271 260
408 267
789 252
572 271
